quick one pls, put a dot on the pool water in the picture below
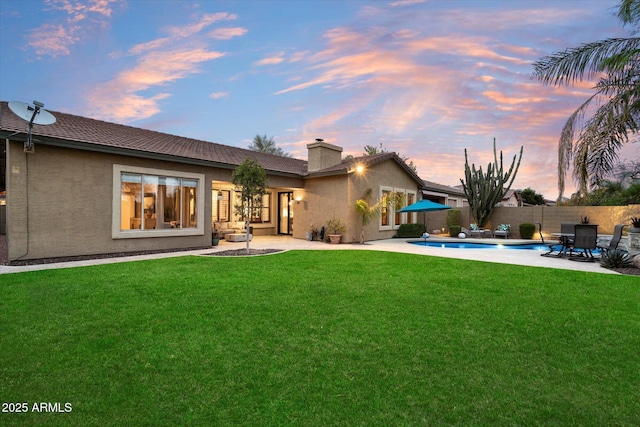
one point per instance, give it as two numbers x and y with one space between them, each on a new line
469 245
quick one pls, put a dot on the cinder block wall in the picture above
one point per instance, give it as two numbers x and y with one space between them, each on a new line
606 217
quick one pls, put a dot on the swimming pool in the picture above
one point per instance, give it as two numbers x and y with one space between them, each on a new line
469 245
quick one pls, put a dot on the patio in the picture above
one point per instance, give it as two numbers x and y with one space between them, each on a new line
529 258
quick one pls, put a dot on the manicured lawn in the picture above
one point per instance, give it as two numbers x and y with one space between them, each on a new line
321 338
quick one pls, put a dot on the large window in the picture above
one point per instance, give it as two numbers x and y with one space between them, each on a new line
221 205
160 202
259 215
385 218
391 219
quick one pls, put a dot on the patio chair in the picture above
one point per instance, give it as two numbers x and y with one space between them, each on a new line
615 240
565 243
479 232
586 239
502 230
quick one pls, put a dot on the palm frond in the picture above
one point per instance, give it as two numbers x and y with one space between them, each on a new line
629 11
586 61
566 142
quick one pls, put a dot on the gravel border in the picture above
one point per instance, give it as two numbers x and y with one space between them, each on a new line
243 252
98 256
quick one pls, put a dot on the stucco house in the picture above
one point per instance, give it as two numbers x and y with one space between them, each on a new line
444 194
511 199
93 187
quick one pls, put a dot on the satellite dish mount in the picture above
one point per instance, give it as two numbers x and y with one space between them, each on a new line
32 115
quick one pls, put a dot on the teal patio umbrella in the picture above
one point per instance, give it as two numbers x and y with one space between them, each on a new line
424 206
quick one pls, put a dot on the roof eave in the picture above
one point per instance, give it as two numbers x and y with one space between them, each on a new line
321 174
87 146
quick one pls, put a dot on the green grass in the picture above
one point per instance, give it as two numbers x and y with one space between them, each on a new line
321 338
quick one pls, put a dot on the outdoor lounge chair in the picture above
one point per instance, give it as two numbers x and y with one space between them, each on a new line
615 240
479 232
502 231
586 239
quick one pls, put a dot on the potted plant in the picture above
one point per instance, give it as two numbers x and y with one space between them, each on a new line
312 234
635 222
335 228
215 234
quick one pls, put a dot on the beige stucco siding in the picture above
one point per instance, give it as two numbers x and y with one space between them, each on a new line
69 196
388 175
326 197
59 203
323 199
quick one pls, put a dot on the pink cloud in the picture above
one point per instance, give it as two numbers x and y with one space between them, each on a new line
463 46
53 40
56 39
204 21
159 68
161 61
406 2
218 95
227 33
272 60
424 86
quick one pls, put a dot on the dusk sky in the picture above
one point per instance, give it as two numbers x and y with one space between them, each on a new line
426 79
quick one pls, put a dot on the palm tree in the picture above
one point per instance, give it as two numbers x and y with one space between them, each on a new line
592 142
267 145
366 212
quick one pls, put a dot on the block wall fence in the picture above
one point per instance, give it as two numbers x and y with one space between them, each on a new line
606 217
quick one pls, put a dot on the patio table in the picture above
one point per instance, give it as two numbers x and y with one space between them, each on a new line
565 239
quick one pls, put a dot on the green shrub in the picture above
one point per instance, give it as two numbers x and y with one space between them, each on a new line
410 230
615 259
454 217
526 230
454 230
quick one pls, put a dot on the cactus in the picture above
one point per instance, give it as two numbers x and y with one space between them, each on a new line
485 191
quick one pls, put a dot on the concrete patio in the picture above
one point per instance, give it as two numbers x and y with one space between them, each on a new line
529 258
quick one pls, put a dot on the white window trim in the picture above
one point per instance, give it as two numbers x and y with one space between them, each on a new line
117 233
390 213
403 216
406 200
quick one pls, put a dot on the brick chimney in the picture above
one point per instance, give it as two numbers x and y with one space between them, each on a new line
323 155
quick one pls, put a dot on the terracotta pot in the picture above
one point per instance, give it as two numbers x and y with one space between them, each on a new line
335 238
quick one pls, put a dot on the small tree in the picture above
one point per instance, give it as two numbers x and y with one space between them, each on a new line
366 211
485 191
530 197
250 179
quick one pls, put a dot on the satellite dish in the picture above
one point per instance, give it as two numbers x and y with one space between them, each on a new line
31 115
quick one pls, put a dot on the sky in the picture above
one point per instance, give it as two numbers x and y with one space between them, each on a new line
424 78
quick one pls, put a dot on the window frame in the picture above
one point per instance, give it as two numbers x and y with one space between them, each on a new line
409 216
118 233
390 214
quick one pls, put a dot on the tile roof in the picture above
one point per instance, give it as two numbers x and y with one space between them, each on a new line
444 188
90 134
367 160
